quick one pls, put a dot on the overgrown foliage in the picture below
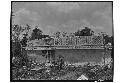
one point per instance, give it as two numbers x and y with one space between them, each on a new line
95 73
84 32
22 67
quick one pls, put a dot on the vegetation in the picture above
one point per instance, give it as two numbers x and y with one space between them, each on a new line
84 32
95 73
22 66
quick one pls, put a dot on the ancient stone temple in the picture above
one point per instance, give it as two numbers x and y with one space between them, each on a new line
72 49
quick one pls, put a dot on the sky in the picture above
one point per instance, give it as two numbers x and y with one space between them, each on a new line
64 16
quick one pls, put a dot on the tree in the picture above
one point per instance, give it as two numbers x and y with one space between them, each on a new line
15 40
36 34
25 36
27 28
107 38
24 41
16 31
84 32
18 53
